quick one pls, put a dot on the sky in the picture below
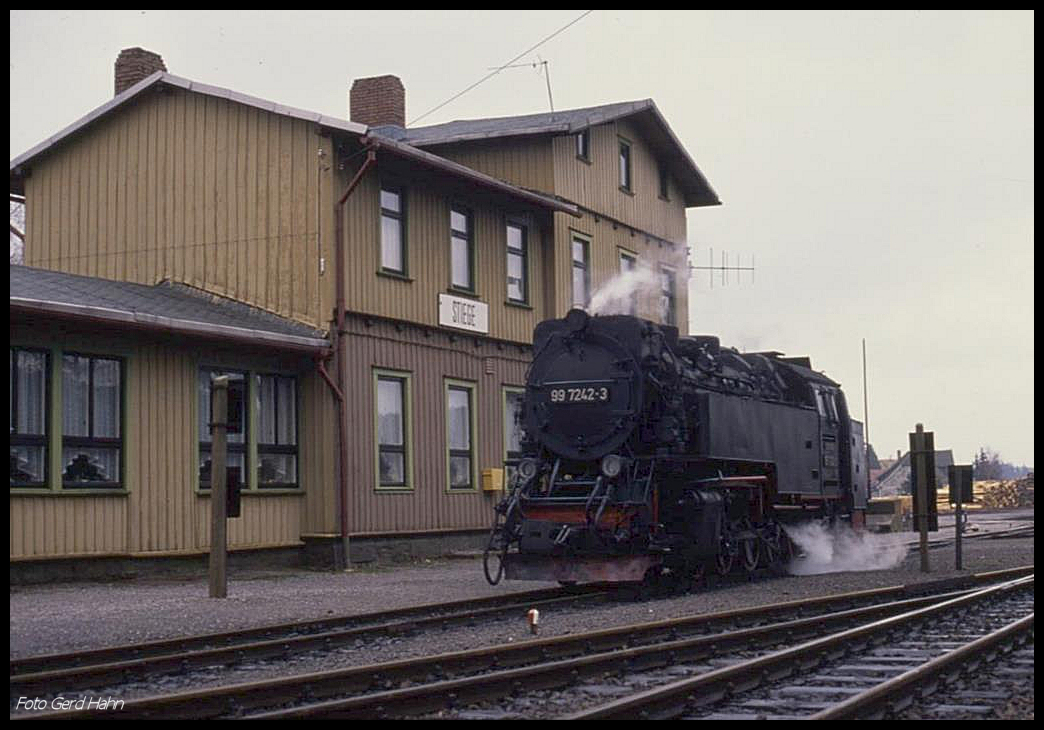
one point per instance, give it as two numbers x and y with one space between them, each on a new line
876 167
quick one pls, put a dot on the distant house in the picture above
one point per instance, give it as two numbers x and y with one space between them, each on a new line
896 478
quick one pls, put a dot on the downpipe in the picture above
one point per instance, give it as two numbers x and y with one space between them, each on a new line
338 346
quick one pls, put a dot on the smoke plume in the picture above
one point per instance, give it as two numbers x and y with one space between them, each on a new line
840 549
617 295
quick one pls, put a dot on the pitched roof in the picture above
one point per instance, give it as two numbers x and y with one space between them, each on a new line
697 190
943 460
161 78
403 150
165 307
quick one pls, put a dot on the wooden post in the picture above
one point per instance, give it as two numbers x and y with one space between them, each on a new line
219 439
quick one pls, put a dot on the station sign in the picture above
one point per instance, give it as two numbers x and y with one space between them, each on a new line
462 313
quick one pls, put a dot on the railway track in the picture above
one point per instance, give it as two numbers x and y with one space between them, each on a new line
863 672
122 664
431 684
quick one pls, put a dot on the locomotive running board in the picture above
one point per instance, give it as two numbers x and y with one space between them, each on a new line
624 569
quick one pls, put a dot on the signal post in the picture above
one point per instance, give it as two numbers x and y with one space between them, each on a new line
922 471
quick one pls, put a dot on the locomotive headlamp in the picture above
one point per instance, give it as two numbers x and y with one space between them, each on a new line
612 465
527 468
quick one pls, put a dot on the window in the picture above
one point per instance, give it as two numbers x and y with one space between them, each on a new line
583 145
92 445
276 402
517 264
461 250
667 296
28 421
459 427
393 428
512 430
235 457
819 402
625 165
663 183
581 274
393 239
629 263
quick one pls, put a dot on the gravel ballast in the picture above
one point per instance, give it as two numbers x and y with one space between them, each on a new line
65 618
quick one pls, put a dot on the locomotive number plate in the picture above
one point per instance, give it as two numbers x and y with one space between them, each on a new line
580 394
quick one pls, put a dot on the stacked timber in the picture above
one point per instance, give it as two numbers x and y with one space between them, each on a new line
1009 493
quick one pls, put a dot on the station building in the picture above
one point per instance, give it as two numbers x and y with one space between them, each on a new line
371 288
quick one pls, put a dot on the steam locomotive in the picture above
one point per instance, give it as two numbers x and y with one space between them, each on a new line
648 454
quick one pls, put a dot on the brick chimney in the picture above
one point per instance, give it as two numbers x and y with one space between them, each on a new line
135 64
378 100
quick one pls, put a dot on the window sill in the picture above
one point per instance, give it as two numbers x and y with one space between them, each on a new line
85 492
273 492
470 293
395 275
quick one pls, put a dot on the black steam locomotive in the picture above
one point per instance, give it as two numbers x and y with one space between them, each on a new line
649 454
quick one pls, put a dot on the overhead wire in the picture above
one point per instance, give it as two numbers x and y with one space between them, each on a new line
502 67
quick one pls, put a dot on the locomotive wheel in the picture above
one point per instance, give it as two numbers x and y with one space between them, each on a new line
751 553
776 548
750 547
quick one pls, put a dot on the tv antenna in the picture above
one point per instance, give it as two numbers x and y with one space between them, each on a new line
724 268
545 69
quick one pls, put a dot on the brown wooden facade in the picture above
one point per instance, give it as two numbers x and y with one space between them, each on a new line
239 201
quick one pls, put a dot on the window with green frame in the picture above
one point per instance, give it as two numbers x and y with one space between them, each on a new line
236 454
513 432
581 273
460 407
28 399
266 406
276 404
517 263
393 230
92 441
625 165
462 253
393 429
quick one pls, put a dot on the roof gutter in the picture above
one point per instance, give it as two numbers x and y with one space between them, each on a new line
157 323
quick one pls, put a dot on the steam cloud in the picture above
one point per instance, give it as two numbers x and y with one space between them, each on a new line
616 295
840 549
